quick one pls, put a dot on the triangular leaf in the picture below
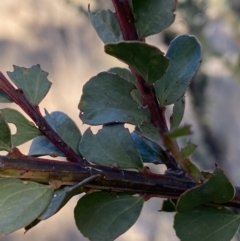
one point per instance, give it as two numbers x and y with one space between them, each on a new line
21 202
217 189
178 111
145 59
26 130
104 216
185 56
65 128
153 16
5 135
111 146
33 81
206 223
106 26
111 102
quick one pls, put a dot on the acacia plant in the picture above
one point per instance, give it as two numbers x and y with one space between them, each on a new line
111 167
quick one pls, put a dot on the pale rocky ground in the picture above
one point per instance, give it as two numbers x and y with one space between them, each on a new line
54 35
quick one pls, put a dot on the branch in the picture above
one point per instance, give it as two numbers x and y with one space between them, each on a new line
110 179
18 96
129 32
125 19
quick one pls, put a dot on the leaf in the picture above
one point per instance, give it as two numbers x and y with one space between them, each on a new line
21 202
136 96
192 170
65 128
33 81
150 132
217 189
5 135
125 74
207 175
147 60
185 56
26 130
169 205
153 16
106 25
32 225
105 216
41 146
111 146
59 199
190 167
4 98
206 223
177 115
188 150
149 151
111 102
180 132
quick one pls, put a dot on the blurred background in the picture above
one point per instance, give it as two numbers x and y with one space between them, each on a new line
58 36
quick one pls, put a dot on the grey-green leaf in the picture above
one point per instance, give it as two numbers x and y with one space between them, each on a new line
106 25
149 151
153 16
33 81
111 146
147 60
5 135
105 216
217 189
59 199
137 97
41 146
206 223
111 102
178 112
21 203
185 56
124 73
26 130
66 129
150 132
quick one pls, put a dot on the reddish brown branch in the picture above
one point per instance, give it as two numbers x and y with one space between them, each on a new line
129 32
150 101
125 19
